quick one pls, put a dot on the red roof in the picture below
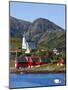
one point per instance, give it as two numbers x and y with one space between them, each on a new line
61 61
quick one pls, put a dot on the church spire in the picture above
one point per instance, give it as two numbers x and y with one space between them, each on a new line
24 41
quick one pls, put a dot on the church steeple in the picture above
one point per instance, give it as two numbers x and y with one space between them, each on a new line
24 41
27 44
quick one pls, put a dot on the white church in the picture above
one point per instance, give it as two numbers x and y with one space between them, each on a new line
28 45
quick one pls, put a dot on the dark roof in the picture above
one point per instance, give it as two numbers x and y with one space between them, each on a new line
30 41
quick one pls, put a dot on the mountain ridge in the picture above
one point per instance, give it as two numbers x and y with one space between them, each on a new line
40 30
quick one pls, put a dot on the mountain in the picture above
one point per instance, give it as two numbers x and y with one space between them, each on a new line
41 25
44 32
17 27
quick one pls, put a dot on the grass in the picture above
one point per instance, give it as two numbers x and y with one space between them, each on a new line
51 67
12 63
15 43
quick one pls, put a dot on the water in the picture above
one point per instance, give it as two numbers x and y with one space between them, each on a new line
36 80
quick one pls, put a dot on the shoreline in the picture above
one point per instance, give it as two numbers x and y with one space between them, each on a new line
36 72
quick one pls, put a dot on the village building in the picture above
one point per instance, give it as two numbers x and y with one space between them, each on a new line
28 45
60 62
58 51
55 51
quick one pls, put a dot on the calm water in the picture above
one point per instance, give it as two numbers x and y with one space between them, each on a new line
34 80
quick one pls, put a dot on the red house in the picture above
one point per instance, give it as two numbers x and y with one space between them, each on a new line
27 61
60 62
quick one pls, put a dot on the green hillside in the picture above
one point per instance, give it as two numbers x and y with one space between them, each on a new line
15 43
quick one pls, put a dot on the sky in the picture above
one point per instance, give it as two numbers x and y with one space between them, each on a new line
32 11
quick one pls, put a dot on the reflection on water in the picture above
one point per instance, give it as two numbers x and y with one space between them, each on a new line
35 80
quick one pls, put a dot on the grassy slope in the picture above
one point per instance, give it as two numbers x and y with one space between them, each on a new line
54 40
15 43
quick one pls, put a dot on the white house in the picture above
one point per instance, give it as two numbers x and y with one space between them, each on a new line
55 51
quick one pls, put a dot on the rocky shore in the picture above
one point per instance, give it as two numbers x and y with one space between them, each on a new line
34 71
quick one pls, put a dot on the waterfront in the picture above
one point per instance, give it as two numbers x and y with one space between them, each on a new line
36 80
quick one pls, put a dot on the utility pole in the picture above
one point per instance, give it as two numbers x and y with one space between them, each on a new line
16 55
